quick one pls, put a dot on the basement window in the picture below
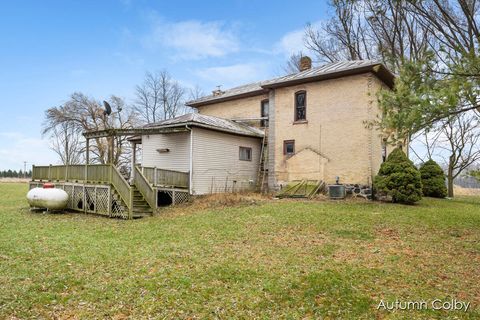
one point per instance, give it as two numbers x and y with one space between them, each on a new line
245 154
289 147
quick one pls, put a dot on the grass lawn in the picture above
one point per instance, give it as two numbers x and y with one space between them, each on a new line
276 259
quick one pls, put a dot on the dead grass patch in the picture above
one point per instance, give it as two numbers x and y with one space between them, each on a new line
460 191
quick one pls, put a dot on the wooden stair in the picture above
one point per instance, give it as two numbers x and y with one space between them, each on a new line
141 208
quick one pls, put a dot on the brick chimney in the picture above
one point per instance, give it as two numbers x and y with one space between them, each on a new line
305 63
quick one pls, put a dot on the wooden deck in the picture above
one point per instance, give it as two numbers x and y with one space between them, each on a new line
84 185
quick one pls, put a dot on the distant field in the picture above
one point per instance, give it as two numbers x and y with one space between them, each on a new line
16 180
269 260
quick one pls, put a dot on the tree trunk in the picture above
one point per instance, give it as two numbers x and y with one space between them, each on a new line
450 181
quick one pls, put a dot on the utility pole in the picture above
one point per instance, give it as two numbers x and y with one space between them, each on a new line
24 169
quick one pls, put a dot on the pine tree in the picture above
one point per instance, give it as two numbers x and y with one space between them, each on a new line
399 179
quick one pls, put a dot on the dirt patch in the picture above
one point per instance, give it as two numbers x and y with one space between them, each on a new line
388 233
216 201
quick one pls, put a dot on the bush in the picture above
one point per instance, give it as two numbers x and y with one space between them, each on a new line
399 179
433 180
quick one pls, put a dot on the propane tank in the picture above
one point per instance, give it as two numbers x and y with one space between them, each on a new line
47 197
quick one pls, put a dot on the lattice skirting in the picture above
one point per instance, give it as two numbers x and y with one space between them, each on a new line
178 196
98 199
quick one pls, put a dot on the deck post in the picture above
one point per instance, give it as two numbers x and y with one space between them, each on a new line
87 151
132 162
155 175
130 209
109 200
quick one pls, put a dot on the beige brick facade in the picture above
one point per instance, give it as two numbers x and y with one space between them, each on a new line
235 109
333 141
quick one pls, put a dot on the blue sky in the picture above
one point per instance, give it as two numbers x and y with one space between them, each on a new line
49 49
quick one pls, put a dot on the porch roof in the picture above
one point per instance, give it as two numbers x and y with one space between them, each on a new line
207 122
180 124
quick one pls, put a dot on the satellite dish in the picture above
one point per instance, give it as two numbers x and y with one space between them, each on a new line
108 109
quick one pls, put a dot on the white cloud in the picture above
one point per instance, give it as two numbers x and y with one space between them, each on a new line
233 75
293 41
17 148
193 39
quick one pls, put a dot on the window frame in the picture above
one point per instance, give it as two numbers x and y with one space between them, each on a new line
295 114
249 153
264 123
285 142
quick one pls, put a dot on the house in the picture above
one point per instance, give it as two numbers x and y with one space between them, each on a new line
221 155
316 120
309 125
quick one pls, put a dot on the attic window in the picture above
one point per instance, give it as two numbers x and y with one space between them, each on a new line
245 154
164 150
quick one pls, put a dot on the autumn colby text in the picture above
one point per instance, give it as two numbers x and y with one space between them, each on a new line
436 304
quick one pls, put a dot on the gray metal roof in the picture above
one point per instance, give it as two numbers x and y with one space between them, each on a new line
331 68
327 71
208 122
251 89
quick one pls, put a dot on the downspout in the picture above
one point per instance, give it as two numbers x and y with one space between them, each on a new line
190 173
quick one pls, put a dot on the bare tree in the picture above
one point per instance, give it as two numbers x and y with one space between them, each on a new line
343 37
66 143
159 97
82 113
293 63
459 140
371 29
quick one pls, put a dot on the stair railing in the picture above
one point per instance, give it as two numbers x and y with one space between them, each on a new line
147 191
123 188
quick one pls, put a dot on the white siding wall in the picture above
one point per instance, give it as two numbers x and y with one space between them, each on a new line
216 163
176 159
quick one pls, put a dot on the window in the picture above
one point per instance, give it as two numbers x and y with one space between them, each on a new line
289 147
245 154
384 150
300 106
264 113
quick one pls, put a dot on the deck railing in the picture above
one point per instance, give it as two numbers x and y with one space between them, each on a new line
142 184
97 173
164 177
91 172
146 179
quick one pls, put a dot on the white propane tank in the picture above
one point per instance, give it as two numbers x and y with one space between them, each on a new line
47 197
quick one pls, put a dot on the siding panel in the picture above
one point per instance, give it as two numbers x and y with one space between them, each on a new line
216 164
176 159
